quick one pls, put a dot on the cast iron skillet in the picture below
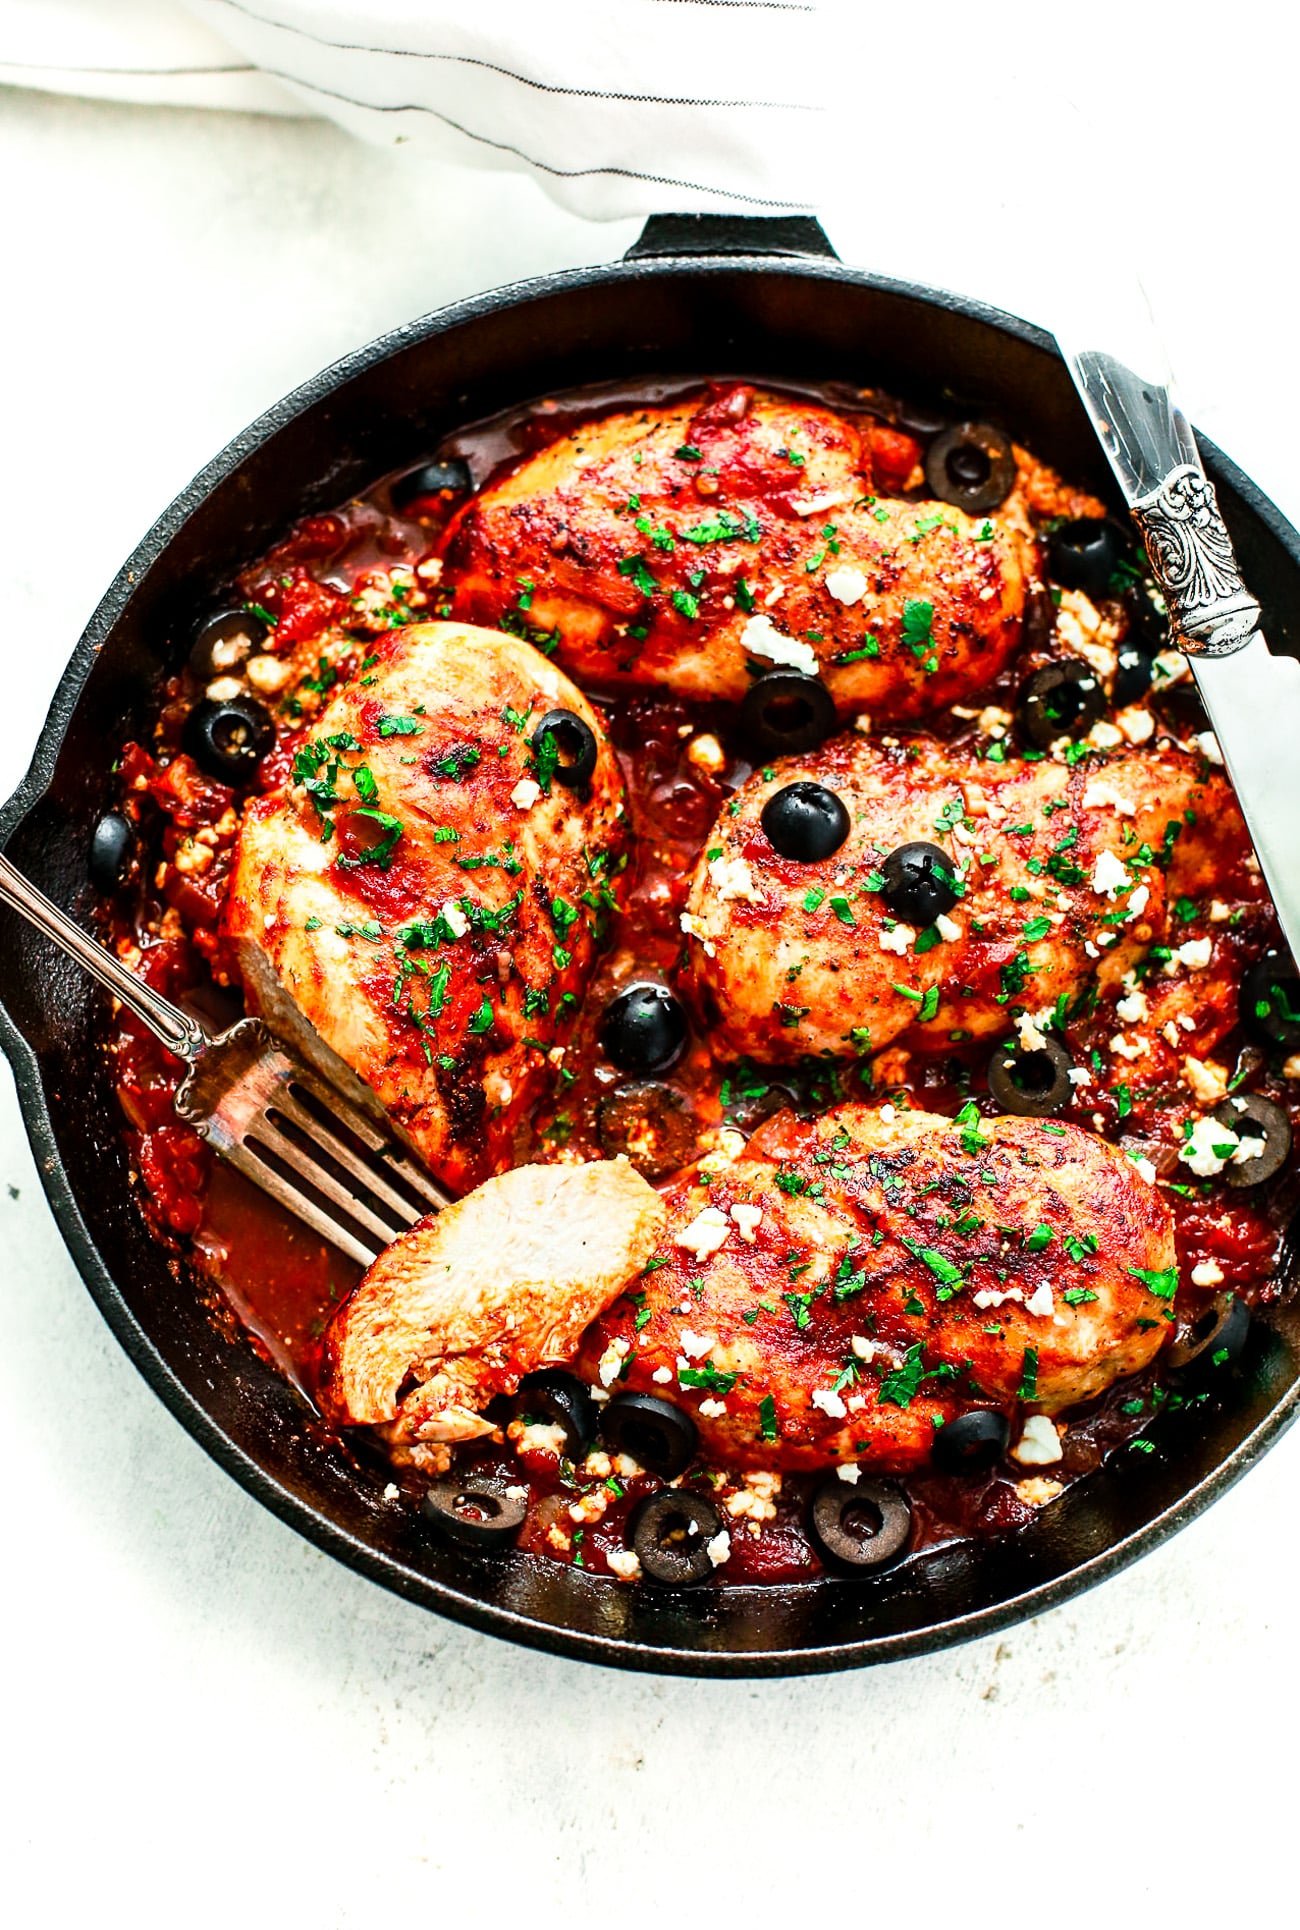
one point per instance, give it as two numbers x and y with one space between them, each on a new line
696 294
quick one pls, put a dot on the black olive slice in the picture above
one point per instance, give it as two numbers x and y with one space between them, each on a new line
1260 1123
112 849
575 747
918 883
560 1400
654 1432
805 821
1148 622
1062 700
223 641
474 1511
670 1532
863 1524
971 465
431 479
1032 1084
1212 1341
653 1124
1269 1001
228 740
972 1441
644 1028
1134 674
784 712
1085 553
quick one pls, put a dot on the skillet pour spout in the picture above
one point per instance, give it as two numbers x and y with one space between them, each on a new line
773 303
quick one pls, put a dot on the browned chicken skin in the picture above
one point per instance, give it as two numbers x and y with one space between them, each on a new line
1067 876
691 547
424 900
879 1273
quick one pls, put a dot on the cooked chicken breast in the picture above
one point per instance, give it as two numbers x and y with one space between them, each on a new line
420 903
690 547
459 1309
1067 877
851 1283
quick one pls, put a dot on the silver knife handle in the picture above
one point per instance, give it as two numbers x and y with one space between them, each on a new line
1211 612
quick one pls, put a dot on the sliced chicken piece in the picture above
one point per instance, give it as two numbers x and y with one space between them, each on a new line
459 1309
1067 876
421 902
851 1283
691 547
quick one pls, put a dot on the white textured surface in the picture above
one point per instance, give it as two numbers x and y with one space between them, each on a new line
205 1720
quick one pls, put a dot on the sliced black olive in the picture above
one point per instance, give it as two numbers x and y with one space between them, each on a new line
1062 700
805 821
1214 1340
865 1524
644 1028
575 747
1134 674
1085 553
784 712
224 640
475 1511
971 465
1269 1001
653 1124
1148 622
654 1432
918 882
228 740
430 479
671 1532
112 849
972 1441
1032 1084
560 1400
1259 1122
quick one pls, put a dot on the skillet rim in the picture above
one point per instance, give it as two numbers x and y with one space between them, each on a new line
315 1526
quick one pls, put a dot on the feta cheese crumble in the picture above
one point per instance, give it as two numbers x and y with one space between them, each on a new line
898 941
1109 875
1039 1445
761 638
732 878
526 793
846 584
705 1234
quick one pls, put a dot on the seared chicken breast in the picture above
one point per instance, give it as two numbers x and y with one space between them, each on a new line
420 903
694 546
459 1309
852 1283
1066 878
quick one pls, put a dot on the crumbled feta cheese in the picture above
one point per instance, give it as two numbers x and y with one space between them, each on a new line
1028 1030
625 1563
696 1346
888 1113
1208 1147
1125 1048
761 638
993 720
1195 954
732 878
610 1364
848 1471
1136 724
1133 1008
454 919
1144 1169
1109 875
830 1403
711 1409
1208 1082
1207 1273
516 1491
1138 901
719 1549
1038 1489
705 1234
392 1491
987 1297
1208 745
690 924
1079 1076
598 1465
707 754
864 1349
1100 794
1170 666
1039 1445
948 928
1041 1303
1104 735
526 793
846 584
898 941
539 1437
662 1375
747 1218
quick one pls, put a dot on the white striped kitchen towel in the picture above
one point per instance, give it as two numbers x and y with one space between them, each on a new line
618 107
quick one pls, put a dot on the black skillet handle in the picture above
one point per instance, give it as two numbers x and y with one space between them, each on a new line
731 234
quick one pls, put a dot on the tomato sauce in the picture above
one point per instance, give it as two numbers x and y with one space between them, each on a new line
331 580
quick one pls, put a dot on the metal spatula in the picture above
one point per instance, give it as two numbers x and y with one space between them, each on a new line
283 1125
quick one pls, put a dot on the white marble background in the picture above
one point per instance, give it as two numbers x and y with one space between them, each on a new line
204 1720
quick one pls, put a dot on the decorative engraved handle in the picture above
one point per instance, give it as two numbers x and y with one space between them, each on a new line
177 1031
1211 611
